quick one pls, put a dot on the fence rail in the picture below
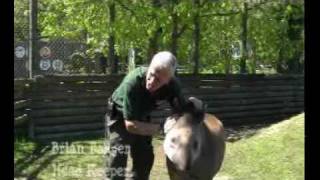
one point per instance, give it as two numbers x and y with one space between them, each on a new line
21 104
64 106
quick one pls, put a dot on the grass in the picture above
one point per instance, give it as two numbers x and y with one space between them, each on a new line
275 152
78 160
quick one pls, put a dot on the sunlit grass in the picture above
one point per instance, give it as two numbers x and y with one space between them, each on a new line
276 153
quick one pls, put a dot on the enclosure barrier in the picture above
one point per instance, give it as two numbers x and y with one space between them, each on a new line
21 104
72 106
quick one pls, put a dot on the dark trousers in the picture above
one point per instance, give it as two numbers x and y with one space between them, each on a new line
121 143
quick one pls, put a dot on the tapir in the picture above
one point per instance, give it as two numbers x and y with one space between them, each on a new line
194 143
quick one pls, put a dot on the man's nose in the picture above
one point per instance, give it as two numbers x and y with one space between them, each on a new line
152 80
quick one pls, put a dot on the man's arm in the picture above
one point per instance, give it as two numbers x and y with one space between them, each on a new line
141 128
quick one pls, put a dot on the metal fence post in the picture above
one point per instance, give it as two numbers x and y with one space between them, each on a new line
33 7
32 50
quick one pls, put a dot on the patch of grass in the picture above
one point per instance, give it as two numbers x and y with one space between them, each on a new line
60 160
159 169
70 160
276 153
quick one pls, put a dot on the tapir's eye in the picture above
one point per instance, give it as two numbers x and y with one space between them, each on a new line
174 140
195 145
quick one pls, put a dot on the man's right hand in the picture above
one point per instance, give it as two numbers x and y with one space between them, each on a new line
169 123
141 128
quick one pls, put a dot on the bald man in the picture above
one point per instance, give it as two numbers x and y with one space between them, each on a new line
128 122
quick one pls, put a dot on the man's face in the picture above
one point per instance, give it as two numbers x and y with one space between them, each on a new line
156 78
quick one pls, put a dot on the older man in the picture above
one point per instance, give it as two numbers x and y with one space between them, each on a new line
128 121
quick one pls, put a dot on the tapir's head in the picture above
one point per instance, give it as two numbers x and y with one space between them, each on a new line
182 144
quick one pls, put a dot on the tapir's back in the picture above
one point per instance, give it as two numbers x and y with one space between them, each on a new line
214 135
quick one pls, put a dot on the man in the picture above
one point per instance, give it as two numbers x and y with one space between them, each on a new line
128 121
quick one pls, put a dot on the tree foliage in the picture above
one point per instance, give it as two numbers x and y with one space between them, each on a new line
21 20
275 30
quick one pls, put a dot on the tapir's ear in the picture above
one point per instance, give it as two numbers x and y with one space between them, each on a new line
192 105
198 105
197 108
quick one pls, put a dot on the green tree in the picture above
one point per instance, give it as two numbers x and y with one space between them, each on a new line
199 32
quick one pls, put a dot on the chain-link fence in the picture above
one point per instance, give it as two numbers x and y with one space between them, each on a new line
57 56
52 55
21 33
62 56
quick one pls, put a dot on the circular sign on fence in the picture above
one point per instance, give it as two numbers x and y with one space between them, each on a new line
45 64
45 52
20 51
57 65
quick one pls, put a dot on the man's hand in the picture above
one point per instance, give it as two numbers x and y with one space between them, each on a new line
141 128
169 123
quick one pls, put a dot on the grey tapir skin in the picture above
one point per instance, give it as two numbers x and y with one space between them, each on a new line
194 146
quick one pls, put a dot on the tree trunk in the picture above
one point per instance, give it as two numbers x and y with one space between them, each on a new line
295 27
244 39
281 62
174 34
196 37
111 41
153 40
280 65
153 44
33 38
176 31
227 66
254 60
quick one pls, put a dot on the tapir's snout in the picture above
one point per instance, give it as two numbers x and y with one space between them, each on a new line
176 147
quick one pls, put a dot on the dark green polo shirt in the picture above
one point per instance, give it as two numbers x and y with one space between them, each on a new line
135 102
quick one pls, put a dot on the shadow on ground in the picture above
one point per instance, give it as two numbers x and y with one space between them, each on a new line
31 162
237 132
22 164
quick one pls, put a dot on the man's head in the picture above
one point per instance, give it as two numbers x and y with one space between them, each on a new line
161 70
